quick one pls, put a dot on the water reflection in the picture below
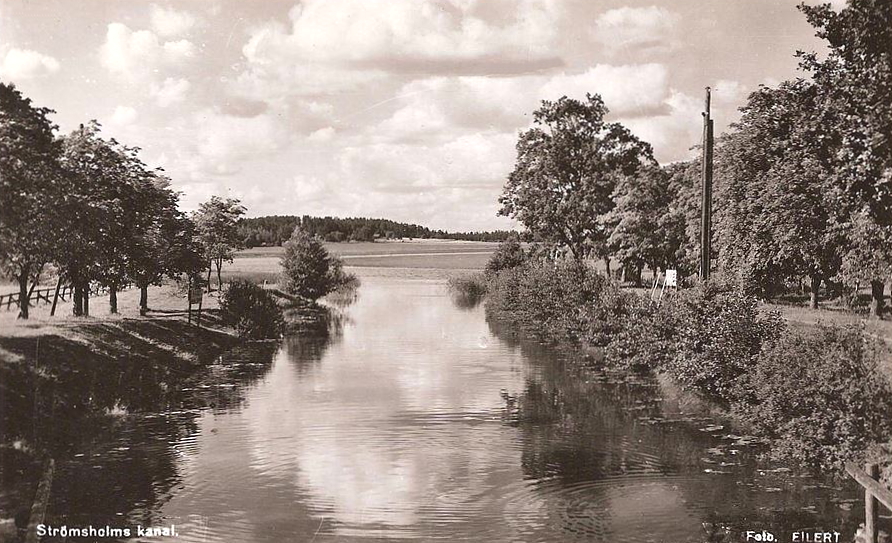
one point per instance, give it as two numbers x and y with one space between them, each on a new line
630 458
117 429
415 419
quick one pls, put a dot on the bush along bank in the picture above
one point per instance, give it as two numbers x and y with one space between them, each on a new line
815 394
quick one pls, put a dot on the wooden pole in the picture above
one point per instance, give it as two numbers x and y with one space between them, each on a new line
56 296
870 506
706 193
41 499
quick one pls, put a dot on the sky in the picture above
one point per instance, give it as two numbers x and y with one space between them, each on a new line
400 109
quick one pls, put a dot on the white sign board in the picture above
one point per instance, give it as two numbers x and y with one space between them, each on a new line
671 278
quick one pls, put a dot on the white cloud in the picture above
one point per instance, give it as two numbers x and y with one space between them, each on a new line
405 30
20 64
626 28
123 116
170 91
138 54
322 135
169 22
213 144
331 47
435 107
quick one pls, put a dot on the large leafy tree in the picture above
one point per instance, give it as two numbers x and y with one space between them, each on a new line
95 211
29 190
217 223
644 228
856 80
166 243
781 218
566 171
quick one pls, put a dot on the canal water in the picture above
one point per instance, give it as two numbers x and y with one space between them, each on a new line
416 418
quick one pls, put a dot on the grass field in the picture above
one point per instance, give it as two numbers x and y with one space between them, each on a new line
262 263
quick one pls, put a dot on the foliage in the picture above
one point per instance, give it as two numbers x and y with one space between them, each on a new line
217 224
716 336
308 268
467 290
781 209
818 396
251 310
642 229
856 79
29 188
509 254
566 170
275 230
565 301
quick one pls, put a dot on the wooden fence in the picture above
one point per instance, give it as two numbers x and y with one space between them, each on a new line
874 494
45 295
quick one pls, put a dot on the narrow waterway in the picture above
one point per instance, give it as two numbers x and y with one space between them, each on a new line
418 419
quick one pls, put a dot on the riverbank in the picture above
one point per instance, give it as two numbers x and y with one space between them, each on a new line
816 393
125 362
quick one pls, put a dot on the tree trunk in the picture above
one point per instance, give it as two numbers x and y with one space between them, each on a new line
219 277
78 296
210 267
87 300
113 299
877 295
607 265
143 300
23 296
637 277
815 287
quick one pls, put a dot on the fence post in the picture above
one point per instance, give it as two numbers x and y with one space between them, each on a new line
870 506
41 499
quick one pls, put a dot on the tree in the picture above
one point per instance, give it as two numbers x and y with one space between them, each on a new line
642 229
217 224
684 209
308 270
167 243
566 170
99 193
856 78
856 81
510 254
868 259
781 211
29 186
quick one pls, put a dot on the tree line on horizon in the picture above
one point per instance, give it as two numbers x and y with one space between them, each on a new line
275 230
87 210
802 182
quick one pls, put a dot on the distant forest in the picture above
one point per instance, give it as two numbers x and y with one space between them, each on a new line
276 229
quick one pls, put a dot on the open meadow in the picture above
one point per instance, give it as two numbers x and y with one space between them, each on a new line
412 257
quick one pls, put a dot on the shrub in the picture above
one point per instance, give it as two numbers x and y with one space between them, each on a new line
818 395
309 270
467 291
252 311
557 301
510 254
716 336
644 340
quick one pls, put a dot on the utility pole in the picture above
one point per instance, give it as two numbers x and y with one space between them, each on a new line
706 196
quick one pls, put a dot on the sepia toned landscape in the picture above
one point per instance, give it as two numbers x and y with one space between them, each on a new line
424 270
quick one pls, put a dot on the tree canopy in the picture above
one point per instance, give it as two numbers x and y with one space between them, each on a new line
567 168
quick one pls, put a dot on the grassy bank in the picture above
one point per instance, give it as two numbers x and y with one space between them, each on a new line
58 374
815 393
